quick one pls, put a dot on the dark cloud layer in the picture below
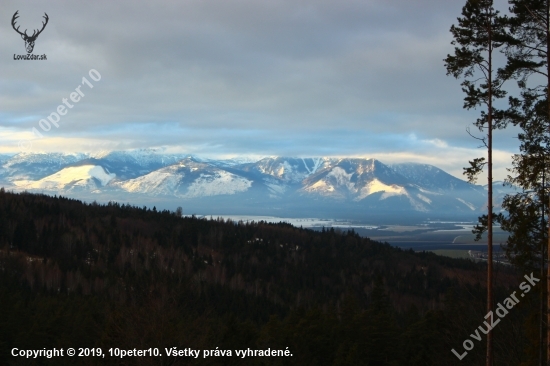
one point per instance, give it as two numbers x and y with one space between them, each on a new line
273 77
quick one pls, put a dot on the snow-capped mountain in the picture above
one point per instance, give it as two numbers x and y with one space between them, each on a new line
354 179
135 163
286 170
188 178
280 175
321 184
71 178
430 177
36 166
228 163
369 182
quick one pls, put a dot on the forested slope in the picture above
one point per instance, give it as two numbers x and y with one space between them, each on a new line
75 274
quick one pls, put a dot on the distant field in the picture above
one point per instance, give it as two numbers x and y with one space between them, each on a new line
498 237
452 239
452 253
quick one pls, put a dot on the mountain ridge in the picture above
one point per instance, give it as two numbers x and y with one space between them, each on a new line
295 184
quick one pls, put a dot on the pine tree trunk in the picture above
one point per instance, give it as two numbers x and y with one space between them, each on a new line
548 245
548 279
542 359
490 198
548 289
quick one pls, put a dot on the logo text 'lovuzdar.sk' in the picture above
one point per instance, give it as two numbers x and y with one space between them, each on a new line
30 57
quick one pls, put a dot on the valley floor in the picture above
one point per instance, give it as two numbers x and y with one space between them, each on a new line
430 235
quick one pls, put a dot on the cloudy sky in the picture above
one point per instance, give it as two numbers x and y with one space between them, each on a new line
223 78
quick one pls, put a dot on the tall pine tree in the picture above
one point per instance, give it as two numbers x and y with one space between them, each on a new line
476 38
527 44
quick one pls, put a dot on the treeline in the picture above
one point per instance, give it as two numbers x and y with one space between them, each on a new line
75 274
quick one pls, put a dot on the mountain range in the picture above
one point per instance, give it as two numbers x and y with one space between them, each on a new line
321 187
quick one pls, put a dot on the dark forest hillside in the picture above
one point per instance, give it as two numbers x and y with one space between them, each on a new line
86 275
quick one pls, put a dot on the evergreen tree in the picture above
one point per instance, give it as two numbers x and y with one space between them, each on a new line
476 37
381 328
527 45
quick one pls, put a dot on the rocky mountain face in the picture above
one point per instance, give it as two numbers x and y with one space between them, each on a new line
302 185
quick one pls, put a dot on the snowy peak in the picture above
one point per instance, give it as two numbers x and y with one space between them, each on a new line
188 178
429 177
135 163
34 166
89 177
335 182
286 170
355 179
376 186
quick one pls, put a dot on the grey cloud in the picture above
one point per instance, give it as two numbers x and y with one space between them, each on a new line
277 76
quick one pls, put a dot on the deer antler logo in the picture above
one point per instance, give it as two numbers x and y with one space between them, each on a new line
29 40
